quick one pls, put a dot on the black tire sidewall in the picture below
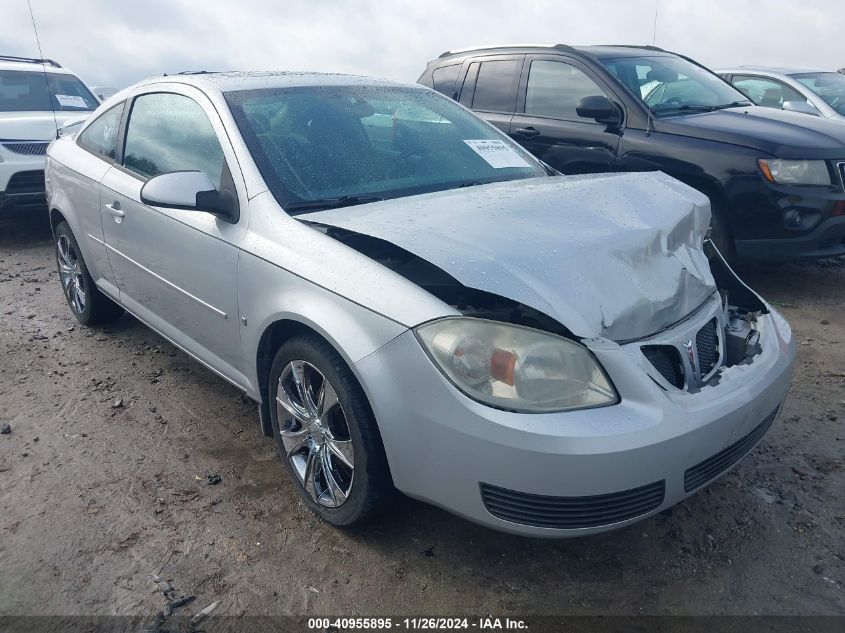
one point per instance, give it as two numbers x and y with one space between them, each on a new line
356 409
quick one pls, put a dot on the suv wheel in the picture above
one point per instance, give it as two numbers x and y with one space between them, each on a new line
326 432
88 304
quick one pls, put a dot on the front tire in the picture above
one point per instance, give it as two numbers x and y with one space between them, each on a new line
86 302
326 433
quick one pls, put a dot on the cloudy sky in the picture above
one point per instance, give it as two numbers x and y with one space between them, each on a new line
117 42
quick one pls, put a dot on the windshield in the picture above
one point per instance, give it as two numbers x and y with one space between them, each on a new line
673 85
26 91
319 147
829 86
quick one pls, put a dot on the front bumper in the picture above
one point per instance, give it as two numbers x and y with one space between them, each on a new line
21 179
455 453
826 240
780 222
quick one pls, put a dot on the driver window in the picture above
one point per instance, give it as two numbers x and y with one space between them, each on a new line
555 88
170 132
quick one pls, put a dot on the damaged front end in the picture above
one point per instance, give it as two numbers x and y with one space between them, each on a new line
723 333
687 355
468 301
618 261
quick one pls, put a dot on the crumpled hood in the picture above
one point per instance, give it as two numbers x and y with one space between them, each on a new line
34 126
611 255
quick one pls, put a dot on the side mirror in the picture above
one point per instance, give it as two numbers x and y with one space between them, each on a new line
597 107
191 191
800 106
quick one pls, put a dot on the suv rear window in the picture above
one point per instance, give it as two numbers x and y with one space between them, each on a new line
444 79
494 88
32 91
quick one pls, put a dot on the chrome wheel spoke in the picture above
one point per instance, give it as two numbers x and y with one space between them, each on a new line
294 441
336 493
309 476
304 388
64 252
284 398
79 296
342 450
327 398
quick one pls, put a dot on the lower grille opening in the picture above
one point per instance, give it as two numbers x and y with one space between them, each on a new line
26 182
567 513
712 467
667 361
28 148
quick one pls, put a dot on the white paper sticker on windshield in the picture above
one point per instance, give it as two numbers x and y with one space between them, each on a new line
498 154
71 101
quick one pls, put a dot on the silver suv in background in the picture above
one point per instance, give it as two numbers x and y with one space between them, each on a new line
817 92
37 97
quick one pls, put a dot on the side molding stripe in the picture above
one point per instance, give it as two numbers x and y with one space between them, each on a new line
162 279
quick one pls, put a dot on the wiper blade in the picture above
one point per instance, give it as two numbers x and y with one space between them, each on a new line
682 108
734 104
330 203
694 107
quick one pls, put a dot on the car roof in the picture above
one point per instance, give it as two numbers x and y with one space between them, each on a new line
603 51
773 70
232 81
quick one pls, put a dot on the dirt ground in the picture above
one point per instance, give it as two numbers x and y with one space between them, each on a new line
113 430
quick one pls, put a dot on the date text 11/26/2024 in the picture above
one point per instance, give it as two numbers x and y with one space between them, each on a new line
417 624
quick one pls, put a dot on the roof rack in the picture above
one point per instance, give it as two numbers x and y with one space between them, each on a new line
191 72
641 46
562 47
29 60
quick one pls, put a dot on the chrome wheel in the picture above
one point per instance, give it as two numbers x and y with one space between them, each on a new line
70 272
315 433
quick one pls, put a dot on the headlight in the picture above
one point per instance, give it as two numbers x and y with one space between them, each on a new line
795 172
514 367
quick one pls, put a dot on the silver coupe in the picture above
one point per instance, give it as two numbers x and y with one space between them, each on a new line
416 303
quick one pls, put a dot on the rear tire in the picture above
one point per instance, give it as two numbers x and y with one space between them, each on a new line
326 433
86 302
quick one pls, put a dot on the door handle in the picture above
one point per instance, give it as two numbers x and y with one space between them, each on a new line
526 132
116 211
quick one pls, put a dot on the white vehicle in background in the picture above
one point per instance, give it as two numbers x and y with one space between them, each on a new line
103 92
816 92
37 97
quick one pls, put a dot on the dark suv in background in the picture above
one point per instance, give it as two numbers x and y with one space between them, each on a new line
776 179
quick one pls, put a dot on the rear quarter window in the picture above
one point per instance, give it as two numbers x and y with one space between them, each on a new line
444 79
101 136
